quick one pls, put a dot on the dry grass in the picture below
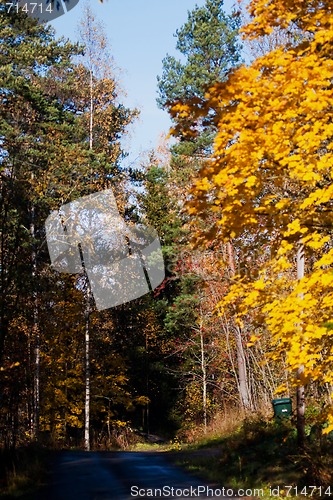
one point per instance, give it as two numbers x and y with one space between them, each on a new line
257 453
25 471
220 425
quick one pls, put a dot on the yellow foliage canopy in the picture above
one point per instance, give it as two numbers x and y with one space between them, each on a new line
271 173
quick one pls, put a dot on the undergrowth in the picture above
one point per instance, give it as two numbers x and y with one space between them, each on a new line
22 472
261 454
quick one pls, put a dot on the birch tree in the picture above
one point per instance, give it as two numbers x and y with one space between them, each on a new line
105 119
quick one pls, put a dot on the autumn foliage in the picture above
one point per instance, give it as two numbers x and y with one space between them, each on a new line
269 180
236 321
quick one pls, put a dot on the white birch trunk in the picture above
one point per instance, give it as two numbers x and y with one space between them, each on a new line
35 330
204 381
87 372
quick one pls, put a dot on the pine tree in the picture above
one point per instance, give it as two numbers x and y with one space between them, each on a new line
39 146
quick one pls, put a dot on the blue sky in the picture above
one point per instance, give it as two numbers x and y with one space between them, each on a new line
141 34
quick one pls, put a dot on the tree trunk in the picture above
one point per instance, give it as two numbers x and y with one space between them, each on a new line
91 111
300 399
87 372
87 295
35 330
242 371
244 392
88 298
300 391
204 381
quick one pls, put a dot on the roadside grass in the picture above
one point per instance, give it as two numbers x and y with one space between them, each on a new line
261 455
258 454
147 447
23 472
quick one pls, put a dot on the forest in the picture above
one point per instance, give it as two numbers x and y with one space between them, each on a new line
240 196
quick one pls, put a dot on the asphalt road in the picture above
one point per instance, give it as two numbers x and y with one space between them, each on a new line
120 476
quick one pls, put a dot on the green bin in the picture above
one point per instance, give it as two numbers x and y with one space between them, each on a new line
282 407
